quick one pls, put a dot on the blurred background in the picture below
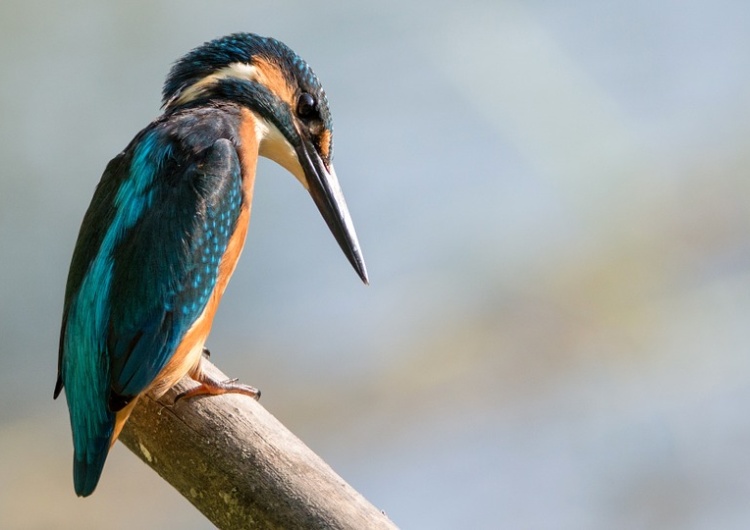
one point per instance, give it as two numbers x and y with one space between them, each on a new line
553 202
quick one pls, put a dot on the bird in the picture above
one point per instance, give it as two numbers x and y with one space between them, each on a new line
166 226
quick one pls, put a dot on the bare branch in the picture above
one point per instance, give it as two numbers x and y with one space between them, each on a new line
241 467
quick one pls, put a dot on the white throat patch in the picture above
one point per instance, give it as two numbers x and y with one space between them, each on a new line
275 146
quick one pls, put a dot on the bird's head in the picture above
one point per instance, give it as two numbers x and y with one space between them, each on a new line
293 121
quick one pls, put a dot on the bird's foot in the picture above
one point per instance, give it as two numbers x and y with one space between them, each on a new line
213 387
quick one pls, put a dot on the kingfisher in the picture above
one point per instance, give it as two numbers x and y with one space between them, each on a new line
167 224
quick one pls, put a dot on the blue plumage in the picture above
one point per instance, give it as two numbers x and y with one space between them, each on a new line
150 259
163 274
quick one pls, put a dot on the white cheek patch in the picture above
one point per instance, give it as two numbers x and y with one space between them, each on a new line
274 146
234 70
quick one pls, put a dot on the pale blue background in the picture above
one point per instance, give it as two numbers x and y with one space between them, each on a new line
552 198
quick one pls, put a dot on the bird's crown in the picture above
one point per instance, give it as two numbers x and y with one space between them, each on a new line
248 57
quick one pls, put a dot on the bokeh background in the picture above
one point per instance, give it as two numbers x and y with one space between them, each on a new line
552 198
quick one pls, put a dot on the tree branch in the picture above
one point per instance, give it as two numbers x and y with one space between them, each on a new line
240 466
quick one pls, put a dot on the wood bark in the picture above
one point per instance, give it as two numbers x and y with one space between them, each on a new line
240 466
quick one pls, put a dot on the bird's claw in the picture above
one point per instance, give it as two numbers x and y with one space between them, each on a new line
212 387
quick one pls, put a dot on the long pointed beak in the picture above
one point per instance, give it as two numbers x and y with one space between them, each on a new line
326 193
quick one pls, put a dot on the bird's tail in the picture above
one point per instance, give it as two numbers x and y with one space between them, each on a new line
89 462
92 425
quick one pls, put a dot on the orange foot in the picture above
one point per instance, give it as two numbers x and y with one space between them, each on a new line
213 387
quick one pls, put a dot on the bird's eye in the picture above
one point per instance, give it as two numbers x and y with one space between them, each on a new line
307 107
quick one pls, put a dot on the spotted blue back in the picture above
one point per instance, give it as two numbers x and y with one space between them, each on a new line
167 266
145 264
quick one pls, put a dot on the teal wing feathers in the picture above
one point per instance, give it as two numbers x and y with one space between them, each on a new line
145 263
165 268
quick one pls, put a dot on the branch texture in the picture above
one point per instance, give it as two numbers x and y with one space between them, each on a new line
240 466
